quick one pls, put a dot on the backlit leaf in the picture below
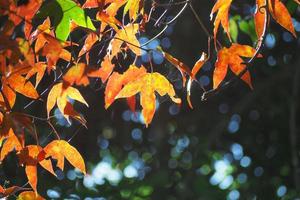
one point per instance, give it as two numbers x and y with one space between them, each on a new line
147 85
29 195
30 156
127 35
231 58
198 65
60 149
63 12
116 81
59 95
281 15
222 8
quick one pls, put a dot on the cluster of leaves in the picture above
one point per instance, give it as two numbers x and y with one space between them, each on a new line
45 43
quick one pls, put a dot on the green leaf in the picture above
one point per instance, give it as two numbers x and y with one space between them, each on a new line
291 6
248 28
234 31
62 12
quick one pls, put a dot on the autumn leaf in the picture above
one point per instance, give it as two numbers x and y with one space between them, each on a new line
6 192
59 95
147 85
106 69
281 15
183 68
131 102
39 70
53 50
13 81
198 65
116 81
93 3
260 18
108 20
12 142
222 8
90 40
48 45
29 195
30 156
38 34
107 16
70 12
132 7
18 13
127 35
231 58
16 121
60 149
79 74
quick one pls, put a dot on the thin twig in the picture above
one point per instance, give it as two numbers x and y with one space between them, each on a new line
54 130
167 24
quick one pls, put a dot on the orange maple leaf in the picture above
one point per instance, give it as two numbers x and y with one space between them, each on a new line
54 50
30 156
38 35
60 149
80 74
281 15
93 3
39 70
231 58
116 81
90 40
13 81
222 8
18 13
147 85
260 18
59 95
106 69
127 35
47 45
12 142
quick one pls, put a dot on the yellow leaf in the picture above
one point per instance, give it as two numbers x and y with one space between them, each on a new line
60 149
116 81
29 195
59 95
222 7
127 35
147 85
231 58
